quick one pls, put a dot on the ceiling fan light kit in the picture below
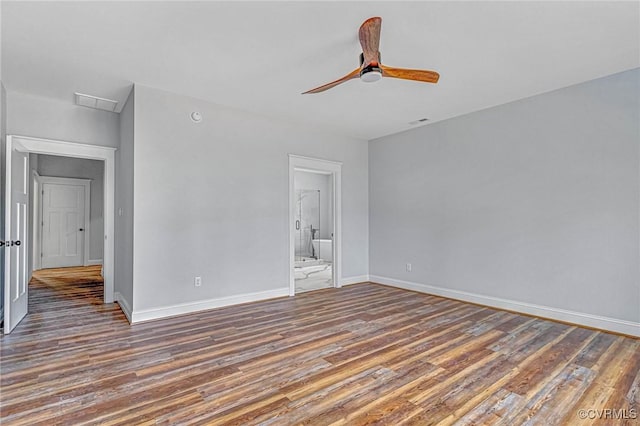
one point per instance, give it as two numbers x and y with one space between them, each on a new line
371 68
371 76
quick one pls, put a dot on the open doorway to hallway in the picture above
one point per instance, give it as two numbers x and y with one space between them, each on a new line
19 221
67 205
66 230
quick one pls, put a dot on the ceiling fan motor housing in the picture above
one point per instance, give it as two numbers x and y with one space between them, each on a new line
370 73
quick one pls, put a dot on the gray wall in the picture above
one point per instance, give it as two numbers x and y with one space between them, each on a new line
40 117
80 168
535 201
123 280
211 199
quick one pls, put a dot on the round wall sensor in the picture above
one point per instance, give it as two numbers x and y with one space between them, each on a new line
196 117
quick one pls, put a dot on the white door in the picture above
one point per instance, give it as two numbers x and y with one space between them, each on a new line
15 243
63 225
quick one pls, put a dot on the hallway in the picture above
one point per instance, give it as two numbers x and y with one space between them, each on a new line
64 288
66 300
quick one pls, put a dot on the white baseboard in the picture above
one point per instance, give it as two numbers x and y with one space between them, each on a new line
94 262
595 321
187 308
124 305
354 280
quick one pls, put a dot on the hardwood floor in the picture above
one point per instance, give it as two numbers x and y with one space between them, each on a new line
364 354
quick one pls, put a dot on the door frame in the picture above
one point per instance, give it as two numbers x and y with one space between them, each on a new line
86 183
78 150
37 221
333 168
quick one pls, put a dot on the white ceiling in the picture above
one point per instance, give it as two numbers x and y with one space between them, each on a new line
259 56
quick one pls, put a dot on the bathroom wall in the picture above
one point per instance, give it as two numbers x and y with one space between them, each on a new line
322 183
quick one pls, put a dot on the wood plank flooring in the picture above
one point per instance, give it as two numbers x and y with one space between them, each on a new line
364 354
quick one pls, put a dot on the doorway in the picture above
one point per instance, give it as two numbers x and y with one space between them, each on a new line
65 222
313 249
17 257
315 223
67 208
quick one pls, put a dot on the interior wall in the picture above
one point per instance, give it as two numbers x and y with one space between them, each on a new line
535 201
46 118
322 183
211 200
123 280
80 168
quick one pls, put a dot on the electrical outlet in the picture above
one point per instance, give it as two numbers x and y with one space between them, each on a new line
197 281
408 267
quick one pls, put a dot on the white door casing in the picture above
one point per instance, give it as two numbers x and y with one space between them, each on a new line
65 222
16 242
35 237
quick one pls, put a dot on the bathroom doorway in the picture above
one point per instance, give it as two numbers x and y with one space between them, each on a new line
313 241
314 226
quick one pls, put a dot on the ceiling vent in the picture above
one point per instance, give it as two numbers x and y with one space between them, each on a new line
422 120
95 102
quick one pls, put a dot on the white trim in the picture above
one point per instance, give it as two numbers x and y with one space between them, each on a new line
310 164
354 280
334 168
6 318
187 308
604 323
125 307
92 152
86 183
94 262
36 261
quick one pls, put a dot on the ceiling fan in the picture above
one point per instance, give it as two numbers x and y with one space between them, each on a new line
371 69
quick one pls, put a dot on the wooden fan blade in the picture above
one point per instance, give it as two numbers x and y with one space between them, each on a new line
407 74
353 74
370 40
